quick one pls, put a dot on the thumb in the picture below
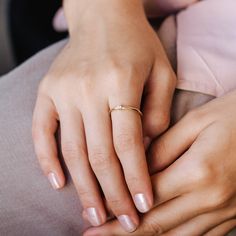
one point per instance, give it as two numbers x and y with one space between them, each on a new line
176 141
159 92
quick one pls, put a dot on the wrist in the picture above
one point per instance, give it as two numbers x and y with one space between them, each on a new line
82 14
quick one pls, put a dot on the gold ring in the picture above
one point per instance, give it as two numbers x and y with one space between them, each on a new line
125 107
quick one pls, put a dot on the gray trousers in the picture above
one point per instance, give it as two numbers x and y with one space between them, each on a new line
28 204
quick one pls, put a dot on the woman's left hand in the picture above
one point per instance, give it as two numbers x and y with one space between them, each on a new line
195 188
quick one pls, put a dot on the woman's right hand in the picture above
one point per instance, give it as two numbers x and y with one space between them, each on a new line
113 57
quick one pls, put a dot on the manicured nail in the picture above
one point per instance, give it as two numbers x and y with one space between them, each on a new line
146 142
53 180
93 216
141 203
127 223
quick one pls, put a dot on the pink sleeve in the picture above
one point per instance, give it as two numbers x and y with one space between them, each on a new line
206 47
170 6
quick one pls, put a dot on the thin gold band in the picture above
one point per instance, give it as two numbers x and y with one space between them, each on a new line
125 107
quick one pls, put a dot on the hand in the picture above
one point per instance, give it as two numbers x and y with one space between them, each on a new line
111 58
195 188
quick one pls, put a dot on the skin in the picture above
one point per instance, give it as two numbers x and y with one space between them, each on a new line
153 9
194 183
117 60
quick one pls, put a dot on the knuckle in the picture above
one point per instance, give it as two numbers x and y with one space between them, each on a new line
158 122
122 78
206 177
160 149
84 193
100 159
133 181
220 197
46 84
118 204
115 203
202 174
190 115
43 85
40 131
115 72
163 121
124 142
71 151
86 85
194 115
152 228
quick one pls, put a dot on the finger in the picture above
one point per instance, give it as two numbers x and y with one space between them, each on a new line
110 215
175 141
106 166
202 224
128 143
171 214
159 220
223 229
159 92
169 186
75 154
178 179
110 228
43 131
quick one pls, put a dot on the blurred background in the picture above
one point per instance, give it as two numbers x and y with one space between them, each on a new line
25 28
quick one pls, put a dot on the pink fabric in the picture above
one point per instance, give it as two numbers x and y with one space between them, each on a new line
206 47
59 21
166 7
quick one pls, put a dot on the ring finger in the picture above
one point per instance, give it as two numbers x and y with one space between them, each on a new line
128 143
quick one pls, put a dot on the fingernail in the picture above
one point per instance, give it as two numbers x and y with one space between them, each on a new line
93 216
146 142
53 180
127 223
141 203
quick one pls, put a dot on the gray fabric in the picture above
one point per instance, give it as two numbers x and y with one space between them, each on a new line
28 204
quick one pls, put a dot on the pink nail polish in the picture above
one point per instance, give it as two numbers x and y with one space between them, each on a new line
53 180
93 216
141 203
127 223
